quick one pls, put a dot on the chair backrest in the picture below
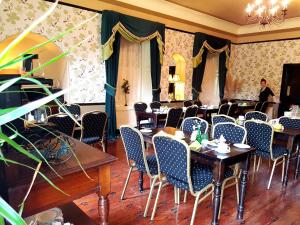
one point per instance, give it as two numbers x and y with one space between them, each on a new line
188 123
155 105
221 119
232 109
289 122
74 109
223 101
134 147
173 158
232 132
140 106
198 103
224 109
191 111
187 103
264 107
259 135
48 110
173 117
256 115
63 122
94 124
258 106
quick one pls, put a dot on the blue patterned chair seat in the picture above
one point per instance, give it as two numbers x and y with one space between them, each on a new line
152 164
201 175
277 152
89 140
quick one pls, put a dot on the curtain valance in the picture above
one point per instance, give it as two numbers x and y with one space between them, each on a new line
198 58
204 43
131 28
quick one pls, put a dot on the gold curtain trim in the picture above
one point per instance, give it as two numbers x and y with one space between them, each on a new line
198 58
107 48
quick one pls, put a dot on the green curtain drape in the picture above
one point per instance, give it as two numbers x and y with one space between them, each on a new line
204 43
134 29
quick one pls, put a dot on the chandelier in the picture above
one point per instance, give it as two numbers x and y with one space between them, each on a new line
267 12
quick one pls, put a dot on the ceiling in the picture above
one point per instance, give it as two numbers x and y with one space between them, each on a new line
230 10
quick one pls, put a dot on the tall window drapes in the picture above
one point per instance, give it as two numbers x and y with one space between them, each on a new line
203 44
114 25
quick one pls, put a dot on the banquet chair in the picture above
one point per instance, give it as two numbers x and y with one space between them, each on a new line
137 159
173 117
257 115
260 136
221 119
188 123
187 103
232 109
141 107
198 103
257 106
155 105
223 109
63 122
74 109
175 167
93 128
264 107
190 111
233 133
293 123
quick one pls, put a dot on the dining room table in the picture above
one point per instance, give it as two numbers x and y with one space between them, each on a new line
207 111
154 116
219 161
292 134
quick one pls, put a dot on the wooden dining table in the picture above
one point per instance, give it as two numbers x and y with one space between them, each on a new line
154 116
291 134
219 162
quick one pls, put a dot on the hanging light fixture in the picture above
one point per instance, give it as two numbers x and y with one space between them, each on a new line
267 12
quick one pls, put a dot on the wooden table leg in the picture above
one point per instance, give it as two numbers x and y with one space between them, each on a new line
103 203
243 187
141 181
218 179
288 159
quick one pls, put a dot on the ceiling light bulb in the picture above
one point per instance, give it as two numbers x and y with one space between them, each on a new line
249 9
285 4
273 2
258 2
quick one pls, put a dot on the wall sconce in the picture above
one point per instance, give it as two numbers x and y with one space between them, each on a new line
176 78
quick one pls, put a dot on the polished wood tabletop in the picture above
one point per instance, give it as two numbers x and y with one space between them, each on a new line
73 182
219 162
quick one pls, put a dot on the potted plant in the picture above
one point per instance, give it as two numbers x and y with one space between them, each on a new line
9 114
125 88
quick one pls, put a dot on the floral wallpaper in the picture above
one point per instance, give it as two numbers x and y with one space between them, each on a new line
85 71
181 43
251 62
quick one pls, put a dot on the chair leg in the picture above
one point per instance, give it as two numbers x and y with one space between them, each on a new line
126 183
178 195
185 196
221 198
272 172
283 167
258 164
175 195
103 146
150 195
254 164
156 200
195 209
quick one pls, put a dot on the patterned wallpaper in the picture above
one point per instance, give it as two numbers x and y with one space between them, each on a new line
182 43
86 71
251 62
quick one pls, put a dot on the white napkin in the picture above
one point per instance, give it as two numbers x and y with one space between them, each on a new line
222 139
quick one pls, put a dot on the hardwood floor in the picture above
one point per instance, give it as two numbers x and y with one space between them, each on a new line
262 206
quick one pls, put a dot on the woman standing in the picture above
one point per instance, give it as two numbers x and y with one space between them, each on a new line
265 91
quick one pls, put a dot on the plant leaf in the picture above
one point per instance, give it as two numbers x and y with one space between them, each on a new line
10 214
21 36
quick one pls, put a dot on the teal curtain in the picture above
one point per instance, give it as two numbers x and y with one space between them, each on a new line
198 72
110 39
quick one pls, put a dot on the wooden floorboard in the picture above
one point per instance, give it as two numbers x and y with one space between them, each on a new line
263 206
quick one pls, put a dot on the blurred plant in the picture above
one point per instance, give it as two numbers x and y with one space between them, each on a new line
7 115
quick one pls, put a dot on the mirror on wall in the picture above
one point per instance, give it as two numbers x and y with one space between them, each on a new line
177 78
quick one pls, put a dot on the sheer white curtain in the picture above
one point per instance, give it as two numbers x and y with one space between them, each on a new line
210 83
134 66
